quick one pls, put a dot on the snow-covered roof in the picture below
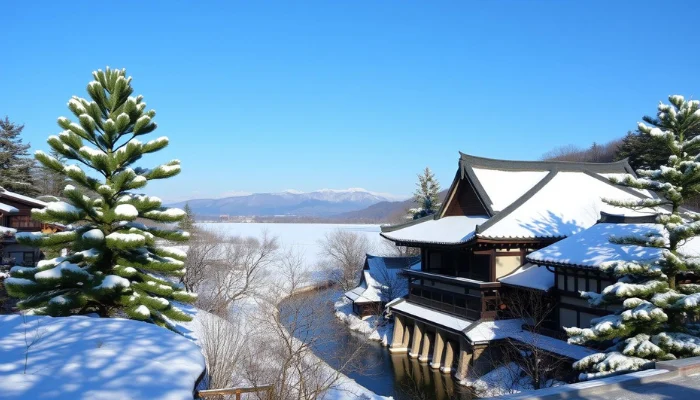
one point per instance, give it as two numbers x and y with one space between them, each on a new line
530 276
7 231
522 200
486 331
567 203
85 358
379 272
429 315
385 263
446 230
8 209
20 197
504 187
592 247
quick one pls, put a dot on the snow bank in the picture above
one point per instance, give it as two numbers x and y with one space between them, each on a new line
95 358
506 379
374 327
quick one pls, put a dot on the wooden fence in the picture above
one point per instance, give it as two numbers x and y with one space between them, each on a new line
234 391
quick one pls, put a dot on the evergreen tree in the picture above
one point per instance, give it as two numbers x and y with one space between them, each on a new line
48 182
114 265
187 222
658 318
15 164
426 195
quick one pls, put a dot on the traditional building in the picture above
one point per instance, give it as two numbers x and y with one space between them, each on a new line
382 280
575 262
15 216
474 248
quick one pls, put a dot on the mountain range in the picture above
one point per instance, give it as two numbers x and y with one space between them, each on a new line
325 205
322 203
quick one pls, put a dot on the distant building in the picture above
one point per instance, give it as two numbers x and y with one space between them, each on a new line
15 216
381 281
474 252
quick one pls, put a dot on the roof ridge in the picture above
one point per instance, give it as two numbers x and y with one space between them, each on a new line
379 256
391 228
520 165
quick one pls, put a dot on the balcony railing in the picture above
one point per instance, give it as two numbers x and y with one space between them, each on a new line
465 298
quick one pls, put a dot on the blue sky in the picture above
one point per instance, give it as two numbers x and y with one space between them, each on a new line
266 96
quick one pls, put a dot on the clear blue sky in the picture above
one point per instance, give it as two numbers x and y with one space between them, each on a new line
265 96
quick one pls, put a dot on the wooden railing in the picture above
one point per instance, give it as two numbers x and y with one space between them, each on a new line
466 298
223 393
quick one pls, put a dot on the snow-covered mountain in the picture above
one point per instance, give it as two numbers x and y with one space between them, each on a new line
319 203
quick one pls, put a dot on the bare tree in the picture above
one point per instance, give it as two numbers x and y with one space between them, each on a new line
344 256
222 343
542 368
284 339
393 283
203 249
238 272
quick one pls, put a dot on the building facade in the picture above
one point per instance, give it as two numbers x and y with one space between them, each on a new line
15 216
475 250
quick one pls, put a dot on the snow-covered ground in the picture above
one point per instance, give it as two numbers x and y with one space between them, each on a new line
304 240
94 358
373 327
506 379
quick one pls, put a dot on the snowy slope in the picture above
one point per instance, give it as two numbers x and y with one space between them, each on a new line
95 358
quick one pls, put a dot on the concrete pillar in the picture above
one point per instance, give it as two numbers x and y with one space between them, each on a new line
397 342
464 361
425 348
449 357
438 349
417 338
477 367
406 336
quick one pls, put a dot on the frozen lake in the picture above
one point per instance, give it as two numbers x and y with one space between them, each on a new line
302 238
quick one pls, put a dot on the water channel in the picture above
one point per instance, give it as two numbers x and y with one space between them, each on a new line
310 317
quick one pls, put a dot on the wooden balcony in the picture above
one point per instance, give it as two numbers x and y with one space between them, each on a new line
461 297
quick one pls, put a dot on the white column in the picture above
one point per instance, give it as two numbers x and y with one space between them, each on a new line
417 338
425 348
437 350
465 359
449 357
397 342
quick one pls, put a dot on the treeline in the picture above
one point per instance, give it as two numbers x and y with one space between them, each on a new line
640 150
19 172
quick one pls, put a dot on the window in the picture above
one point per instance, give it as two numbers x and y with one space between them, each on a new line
22 257
568 318
480 267
23 221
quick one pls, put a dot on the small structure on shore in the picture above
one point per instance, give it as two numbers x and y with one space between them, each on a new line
380 282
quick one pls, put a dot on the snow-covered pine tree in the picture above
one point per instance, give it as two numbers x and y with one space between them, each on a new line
658 319
114 264
15 164
426 195
187 222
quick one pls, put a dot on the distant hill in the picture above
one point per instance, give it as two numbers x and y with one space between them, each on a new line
384 212
320 203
